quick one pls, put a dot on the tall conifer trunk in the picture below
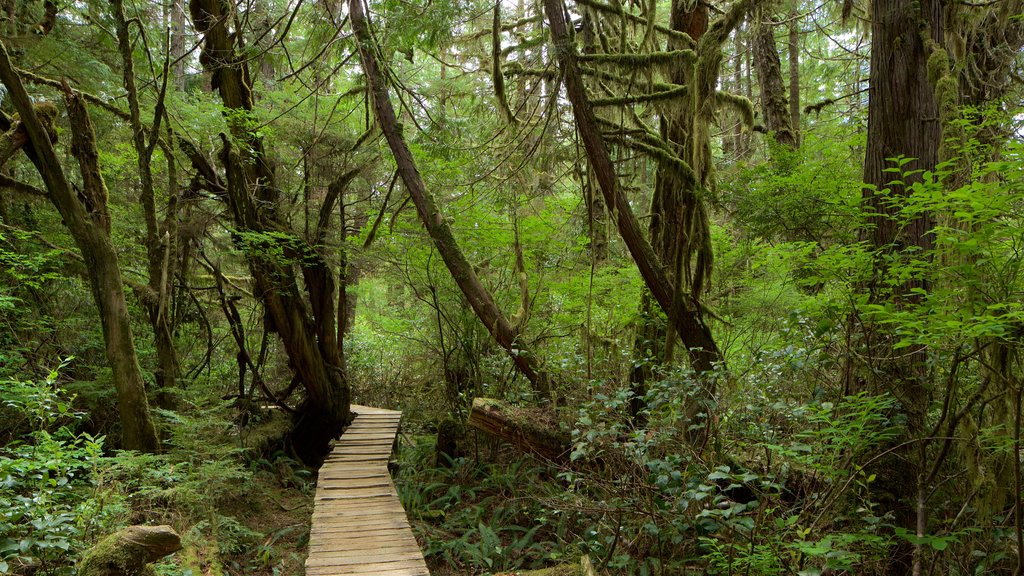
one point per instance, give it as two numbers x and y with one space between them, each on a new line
903 121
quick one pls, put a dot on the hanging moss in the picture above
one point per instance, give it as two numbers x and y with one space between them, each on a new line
638 98
617 10
640 60
938 65
623 80
740 104
664 157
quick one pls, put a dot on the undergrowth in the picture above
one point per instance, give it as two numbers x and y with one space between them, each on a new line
62 489
476 517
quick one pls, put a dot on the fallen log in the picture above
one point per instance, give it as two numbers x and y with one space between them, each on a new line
533 430
128 552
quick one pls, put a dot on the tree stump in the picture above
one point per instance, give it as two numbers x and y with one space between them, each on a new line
128 552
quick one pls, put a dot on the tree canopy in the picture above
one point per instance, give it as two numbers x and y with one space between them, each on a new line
739 280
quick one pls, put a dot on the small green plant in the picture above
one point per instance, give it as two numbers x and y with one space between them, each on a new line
49 506
480 517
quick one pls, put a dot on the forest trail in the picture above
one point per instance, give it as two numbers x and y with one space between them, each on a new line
359 525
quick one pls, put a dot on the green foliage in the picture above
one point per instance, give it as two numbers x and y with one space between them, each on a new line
50 505
482 517
764 516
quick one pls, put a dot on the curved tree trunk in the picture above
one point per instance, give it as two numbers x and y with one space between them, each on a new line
87 219
465 277
682 307
308 335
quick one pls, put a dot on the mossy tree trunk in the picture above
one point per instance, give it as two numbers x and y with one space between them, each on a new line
87 218
161 248
676 268
778 115
307 333
679 228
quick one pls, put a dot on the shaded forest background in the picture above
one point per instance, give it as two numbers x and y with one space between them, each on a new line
751 269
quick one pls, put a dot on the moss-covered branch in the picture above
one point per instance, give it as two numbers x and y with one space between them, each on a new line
660 154
618 11
643 59
639 98
737 103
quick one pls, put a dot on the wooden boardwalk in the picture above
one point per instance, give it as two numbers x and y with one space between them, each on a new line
359 525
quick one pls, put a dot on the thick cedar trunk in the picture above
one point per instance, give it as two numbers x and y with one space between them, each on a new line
776 108
86 217
309 336
903 117
794 75
903 120
465 277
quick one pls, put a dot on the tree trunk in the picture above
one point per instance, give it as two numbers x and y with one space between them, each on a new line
177 8
308 335
87 219
461 270
794 75
903 121
159 246
776 108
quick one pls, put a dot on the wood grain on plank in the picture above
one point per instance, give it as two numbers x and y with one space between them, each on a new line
358 524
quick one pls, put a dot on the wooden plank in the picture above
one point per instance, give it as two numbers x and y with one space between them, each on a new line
332 571
358 523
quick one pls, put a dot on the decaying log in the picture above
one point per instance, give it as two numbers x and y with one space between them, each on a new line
127 552
533 430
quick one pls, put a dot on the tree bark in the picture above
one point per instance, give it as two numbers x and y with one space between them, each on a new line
308 334
87 219
160 237
437 228
774 104
903 121
794 75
